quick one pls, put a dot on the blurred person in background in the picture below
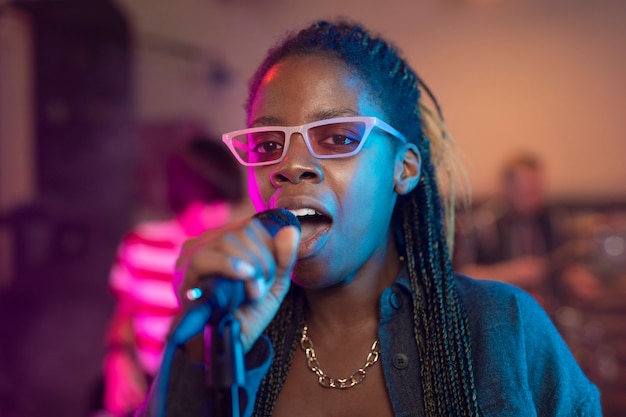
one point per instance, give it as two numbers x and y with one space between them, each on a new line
205 190
518 239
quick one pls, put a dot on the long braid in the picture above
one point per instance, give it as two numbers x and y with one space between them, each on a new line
278 332
447 363
441 326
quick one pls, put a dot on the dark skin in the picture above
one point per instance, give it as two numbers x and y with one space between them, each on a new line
343 263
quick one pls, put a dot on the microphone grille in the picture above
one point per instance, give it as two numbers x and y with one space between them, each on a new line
275 219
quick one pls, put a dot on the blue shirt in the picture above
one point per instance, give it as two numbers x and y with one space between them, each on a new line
522 367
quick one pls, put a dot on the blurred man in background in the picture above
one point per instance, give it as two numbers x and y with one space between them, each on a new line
517 239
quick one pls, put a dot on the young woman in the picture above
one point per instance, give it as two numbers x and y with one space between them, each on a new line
360 314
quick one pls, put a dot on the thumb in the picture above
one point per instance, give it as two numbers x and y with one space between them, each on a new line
286 244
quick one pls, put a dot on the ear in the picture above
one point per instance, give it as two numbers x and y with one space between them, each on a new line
407 168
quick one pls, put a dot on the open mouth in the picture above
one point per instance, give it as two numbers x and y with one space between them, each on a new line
311 222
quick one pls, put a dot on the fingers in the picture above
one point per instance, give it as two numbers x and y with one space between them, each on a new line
243 252
286 247
285 250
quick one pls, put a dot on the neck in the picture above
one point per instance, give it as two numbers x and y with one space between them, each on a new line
352 306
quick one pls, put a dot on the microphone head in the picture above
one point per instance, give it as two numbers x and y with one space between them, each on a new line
275 219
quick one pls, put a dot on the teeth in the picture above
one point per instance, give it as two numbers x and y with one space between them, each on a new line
304 212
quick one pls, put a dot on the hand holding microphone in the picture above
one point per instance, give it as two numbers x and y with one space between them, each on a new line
244 267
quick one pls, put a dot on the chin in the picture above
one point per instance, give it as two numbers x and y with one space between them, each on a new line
309 276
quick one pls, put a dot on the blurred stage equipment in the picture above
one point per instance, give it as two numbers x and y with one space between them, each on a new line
67 123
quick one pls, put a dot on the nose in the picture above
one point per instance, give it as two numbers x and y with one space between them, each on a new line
298 165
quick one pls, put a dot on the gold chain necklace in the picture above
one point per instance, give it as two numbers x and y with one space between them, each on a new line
328 381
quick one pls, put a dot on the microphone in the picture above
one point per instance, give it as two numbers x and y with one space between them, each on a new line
217 296
228 294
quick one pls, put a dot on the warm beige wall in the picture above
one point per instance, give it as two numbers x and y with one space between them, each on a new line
546 75
17 183
17 159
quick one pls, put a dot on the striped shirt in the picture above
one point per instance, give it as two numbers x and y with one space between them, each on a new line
143 272
142 275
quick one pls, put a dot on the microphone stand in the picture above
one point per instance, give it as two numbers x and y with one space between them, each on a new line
225 373
225 365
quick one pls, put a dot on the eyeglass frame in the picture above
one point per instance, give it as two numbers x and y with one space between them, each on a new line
370 123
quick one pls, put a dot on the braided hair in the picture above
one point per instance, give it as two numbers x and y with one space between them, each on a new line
441 326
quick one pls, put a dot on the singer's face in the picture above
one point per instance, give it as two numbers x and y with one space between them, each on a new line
345 204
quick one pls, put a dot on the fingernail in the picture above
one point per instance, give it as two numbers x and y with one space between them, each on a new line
261 286
256 288
243 268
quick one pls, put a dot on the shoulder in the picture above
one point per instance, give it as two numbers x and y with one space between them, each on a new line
502 315
483 297
520 360
157 230
164 235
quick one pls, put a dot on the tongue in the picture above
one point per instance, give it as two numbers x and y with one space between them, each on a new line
308 230
310 225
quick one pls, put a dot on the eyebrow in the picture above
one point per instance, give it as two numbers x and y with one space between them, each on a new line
312 117
265 121
331 113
